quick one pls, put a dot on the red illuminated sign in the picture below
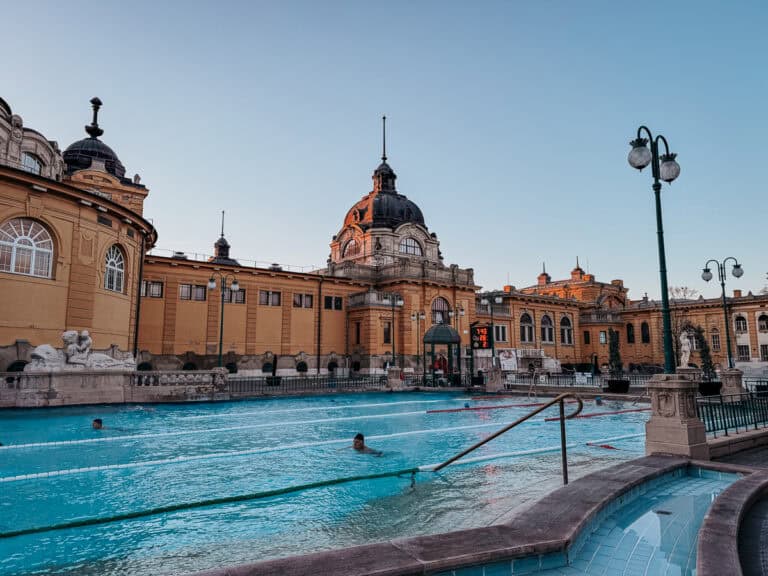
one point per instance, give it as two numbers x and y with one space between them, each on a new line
482 339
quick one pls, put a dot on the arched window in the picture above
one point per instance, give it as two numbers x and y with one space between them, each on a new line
25 248
410 246
645 333
547 329
630 333
114 272
351 248
440 308
526 328
566 330
762 323
31 163
741 324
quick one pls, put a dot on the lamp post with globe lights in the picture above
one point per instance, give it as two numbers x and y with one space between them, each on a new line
233 287
664 168
706 275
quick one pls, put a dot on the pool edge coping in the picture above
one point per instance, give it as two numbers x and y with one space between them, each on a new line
550 526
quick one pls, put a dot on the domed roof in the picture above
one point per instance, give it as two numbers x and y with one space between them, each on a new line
384 207
441 334
81 154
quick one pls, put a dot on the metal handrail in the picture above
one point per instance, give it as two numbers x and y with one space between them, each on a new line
559 399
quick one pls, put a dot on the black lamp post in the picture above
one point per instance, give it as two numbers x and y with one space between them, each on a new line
737 272
457 313
667 169
486 302
234 287
394 300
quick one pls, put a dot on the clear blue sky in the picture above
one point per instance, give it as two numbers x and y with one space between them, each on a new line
508 123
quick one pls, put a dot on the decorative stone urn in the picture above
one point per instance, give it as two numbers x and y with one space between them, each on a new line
674 427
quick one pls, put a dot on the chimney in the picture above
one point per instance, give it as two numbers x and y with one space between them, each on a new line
737 293
509 288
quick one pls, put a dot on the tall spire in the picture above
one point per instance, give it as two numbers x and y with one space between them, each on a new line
93 130
222 223
577 262
383 138
543 267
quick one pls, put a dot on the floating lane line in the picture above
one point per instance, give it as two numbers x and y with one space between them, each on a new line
231 454
314 408
205 430
596 414
493 407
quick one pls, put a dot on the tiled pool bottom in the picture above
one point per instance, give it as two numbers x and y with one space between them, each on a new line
650 531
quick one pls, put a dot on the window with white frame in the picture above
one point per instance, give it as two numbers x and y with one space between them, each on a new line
114 269
715 338
410 246
31 163
269 298
762 323
303 300
26 248
741 324
499 333
566 330
742 352
526 328
547 329
603 337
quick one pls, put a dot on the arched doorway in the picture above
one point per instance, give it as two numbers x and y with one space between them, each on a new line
445 358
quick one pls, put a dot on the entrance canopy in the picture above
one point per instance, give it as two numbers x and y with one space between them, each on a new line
441 334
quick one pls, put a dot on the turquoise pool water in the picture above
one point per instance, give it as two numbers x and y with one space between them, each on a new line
54 469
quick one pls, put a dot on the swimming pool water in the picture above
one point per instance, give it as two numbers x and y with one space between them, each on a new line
161 455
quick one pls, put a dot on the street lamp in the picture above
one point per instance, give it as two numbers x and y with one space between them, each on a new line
234 287
486 302
458 314
667 169
418 317
394 300
737 272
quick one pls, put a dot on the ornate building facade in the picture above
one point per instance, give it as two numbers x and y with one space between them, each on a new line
75 255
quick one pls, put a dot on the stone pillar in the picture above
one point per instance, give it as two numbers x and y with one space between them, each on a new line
731 378
393 378
674 427
494 382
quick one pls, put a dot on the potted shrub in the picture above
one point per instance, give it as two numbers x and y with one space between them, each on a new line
709 385
617 383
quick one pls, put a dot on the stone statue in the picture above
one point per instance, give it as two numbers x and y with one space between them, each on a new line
685 349
76 355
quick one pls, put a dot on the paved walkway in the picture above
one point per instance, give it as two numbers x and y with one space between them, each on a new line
754 527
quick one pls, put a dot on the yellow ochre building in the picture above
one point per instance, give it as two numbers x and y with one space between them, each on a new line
76 254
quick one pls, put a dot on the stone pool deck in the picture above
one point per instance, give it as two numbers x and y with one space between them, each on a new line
539 537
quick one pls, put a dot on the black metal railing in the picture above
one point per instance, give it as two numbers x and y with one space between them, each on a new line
247 385
758 385
572 381
733 412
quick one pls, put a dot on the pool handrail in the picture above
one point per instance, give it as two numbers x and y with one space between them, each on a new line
563 417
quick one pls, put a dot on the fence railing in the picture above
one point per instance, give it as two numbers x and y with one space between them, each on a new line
245 385
733 412
755 385
572 381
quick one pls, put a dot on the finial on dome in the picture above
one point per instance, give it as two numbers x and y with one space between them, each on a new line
93 130
384 138
222 223
543 267
577 262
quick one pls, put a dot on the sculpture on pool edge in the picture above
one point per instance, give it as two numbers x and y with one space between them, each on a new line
76 355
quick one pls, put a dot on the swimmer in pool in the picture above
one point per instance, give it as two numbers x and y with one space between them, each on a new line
358 443
97 424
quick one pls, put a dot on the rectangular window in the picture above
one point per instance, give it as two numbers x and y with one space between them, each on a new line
586 337
269 298
104 221
716 342
151 289
302 300
742 353
192 292
603 337
332 303
387 333
357 332
764 352
234 297
499 333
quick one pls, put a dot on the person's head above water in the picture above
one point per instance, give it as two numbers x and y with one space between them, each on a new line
97 424
358 442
